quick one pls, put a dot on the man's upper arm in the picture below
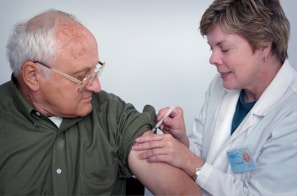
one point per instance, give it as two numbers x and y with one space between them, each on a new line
162 178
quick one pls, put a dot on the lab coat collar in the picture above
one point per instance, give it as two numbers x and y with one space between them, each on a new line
275 90
273 93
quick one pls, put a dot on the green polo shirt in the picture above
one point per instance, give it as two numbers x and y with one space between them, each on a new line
85 156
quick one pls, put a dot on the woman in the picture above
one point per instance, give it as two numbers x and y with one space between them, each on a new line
250 107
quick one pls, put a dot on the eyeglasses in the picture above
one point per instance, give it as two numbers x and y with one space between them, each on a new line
83 84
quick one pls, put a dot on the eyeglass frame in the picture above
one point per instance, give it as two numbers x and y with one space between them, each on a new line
87 80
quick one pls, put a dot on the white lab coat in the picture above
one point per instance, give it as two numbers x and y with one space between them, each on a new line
269 130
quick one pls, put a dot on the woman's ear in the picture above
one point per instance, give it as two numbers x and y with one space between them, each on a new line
266 50
30 75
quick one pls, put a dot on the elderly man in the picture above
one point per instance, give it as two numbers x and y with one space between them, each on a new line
60 133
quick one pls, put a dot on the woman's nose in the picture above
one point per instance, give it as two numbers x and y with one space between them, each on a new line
214 58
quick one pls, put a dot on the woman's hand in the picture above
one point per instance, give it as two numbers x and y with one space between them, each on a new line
174 124
163 148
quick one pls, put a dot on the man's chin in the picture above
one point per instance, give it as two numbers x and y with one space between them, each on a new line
82 112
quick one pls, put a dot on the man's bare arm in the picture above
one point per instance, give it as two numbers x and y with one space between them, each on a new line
162 178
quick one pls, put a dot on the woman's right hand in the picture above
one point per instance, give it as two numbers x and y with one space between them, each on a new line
174 124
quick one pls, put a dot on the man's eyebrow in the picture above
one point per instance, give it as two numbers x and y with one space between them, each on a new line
87 69
82 71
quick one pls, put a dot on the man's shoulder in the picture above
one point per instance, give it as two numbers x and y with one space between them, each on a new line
5 86
104 96
6 93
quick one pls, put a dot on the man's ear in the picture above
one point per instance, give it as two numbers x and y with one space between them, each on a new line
30 75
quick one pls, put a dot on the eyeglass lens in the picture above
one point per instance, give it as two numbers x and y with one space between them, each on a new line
90 79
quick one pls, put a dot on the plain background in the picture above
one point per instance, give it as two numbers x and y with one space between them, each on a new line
153 50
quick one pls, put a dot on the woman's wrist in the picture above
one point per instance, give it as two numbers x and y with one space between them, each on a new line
197 172
193 164
184 139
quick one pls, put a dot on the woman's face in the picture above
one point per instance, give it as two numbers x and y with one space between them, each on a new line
239 66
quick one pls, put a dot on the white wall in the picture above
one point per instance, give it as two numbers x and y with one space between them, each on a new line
290 8
153 49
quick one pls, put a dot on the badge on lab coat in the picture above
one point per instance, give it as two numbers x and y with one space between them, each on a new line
241 160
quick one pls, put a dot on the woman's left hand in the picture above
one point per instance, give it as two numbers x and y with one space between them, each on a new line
162 148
